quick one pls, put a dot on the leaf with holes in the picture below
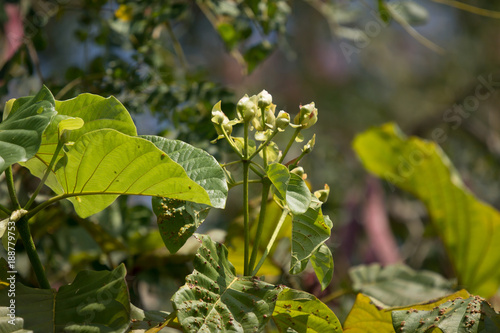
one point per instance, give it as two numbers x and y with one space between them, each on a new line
104 164
458 315
399 285
309 231
371 316
178 220
322 262
21 132
468 227
214 299
303 312
95 301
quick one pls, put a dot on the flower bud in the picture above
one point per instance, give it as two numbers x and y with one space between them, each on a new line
310 145
270 119
264 99
218 116
307 116
246 108
299 171
322 195
282 120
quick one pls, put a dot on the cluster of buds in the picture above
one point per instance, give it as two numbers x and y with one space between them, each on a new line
221 121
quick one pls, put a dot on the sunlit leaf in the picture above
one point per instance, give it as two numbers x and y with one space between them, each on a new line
96 112
468 227
96 301
398 285
303 312
366 317
104 164
279 175
21 132
214 299
298 196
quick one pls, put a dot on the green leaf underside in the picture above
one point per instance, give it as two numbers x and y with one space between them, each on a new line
298 196
97 113
214 299
303 312
178 220
322 262
279 175
104 164
200 166
366 317
309 231
468 227
399 285
21 132
460 315
94 302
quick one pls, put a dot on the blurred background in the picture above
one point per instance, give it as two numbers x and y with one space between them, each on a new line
364 63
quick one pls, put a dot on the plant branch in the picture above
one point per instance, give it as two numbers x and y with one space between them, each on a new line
264 144
25 234
272 240
5 210
246 211
292 140
10 185
46 175
266 186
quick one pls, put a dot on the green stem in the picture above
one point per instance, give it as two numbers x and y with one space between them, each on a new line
46 175
230 163
231 142
24 232
5 210
297 131
246 210
297 160
254 169
250 181
266 186
10 185
272 240
264 144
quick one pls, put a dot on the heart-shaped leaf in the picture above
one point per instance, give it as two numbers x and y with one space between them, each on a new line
214 299
303 312
468 227
96 112
104 164
96 301
21 132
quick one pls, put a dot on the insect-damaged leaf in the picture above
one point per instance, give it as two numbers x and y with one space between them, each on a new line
214 299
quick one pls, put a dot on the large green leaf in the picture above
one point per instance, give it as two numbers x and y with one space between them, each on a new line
298 311
200 166
214 299
104 164
21 132
291 189
398 285
279 175
458 315
97 113
469 228
366 317
309 231
94 302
